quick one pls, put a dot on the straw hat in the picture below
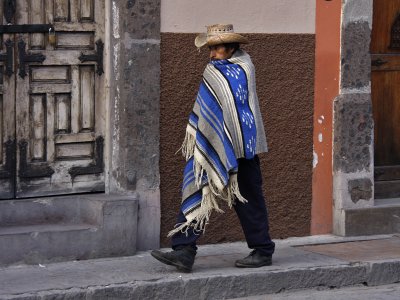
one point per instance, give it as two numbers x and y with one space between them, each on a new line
219 34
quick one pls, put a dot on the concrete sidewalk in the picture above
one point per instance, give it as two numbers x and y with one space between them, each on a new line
331 262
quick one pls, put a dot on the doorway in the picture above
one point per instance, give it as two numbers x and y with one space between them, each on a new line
52 106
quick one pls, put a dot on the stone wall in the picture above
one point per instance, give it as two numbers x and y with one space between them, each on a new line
134 110
353 120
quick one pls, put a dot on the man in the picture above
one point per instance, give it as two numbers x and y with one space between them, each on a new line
223 137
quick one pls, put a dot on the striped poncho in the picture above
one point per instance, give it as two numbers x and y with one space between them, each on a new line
225 125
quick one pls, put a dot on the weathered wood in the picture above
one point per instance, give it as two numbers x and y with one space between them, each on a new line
87 101
87 11
38 120
7 133
78 27
74 4
1 131
36 16
75 138
60 136
385 62
75 100
387 189
384 15
387 173
2 14
68 40
51 74
74 151
50 153
63 113
385 92
61 11
386 109
43 88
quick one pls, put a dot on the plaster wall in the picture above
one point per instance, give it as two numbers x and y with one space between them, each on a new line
327 74
282 47
252 16
285 72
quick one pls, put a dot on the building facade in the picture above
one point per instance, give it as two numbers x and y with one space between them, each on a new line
95 97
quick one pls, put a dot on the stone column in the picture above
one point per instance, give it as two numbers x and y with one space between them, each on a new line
134 110
353 166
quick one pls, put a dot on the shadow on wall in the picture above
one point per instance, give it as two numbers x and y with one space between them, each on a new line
285 74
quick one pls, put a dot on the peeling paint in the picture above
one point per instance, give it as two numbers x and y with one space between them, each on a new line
128 41
320 137
321 119
43 201
361 90
116 133
115 21
315 159
357 11
34 235
116 59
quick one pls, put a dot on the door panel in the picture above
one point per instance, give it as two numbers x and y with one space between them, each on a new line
385 14
58 120
385 91
385 96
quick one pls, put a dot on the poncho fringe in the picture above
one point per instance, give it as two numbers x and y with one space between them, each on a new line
211 193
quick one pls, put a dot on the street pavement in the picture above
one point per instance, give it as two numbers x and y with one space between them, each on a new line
385 292
315 262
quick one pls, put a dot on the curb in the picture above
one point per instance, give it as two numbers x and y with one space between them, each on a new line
232 286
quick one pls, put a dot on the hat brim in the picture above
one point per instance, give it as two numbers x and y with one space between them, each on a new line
223 38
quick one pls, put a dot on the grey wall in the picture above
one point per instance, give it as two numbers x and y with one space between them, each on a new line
134 110
353 121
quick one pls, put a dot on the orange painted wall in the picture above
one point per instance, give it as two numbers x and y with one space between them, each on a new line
327 75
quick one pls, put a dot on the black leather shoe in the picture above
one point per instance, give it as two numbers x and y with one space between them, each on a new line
254 260
182 258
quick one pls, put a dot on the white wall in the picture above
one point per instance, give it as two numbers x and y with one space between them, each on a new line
247 16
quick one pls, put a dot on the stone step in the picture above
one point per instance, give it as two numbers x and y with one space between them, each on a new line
383 218
44 228
387 189
50 210
75 227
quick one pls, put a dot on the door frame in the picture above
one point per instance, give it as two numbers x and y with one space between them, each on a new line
353 175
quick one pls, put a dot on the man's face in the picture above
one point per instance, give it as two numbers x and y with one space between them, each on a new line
219 52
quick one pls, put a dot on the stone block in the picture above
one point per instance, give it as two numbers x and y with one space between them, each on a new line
353 133
373 220
141 18
360 189
384 273
355 57
356 10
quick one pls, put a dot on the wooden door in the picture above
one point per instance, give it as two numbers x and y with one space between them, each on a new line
58 120
385 88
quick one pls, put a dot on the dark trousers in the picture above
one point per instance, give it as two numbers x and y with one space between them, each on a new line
252 215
